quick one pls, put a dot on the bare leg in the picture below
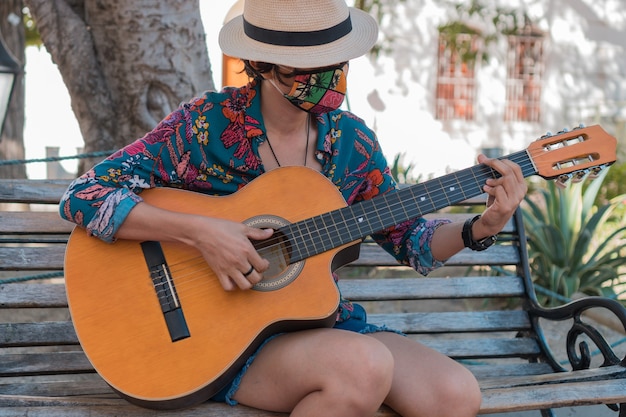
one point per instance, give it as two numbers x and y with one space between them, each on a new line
322 372
332 372
427 383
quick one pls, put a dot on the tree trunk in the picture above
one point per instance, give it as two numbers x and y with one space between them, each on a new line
126 64
12 139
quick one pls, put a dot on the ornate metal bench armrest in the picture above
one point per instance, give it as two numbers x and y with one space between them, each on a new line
581 358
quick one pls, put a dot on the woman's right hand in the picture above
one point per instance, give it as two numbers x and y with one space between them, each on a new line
226 246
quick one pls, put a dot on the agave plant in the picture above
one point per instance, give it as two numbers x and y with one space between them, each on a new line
574 244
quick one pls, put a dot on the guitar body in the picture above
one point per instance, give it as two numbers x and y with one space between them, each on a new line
120 322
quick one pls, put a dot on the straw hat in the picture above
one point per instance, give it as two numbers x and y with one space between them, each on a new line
299 33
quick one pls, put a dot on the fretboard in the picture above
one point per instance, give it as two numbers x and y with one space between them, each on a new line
330 230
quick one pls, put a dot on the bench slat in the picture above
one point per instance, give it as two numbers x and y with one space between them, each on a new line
27 295
37 334
557 395
430 288
594 374
62 385
17 364
35 258
32 191
373 255
445 322
485 347
33 222
482 371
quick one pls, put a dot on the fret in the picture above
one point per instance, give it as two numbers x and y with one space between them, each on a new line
397 205
323 235
437 200
452 188
359 218
478 179
343 219
297 234
421 198
406 214
375 208
333 226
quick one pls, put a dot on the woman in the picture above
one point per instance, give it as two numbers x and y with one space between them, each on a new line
288 115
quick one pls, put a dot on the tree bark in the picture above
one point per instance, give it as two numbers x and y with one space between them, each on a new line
12 139
126 64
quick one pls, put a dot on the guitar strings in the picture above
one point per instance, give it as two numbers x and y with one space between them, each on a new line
463 178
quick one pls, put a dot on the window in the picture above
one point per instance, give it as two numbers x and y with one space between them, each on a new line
456 84
524 70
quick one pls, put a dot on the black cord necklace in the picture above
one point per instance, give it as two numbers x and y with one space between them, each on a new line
306 151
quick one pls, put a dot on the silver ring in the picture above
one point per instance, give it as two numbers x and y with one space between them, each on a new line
249 272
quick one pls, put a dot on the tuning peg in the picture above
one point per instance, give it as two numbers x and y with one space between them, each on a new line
595 172
580 126
579 176
562 180
547 135
563 131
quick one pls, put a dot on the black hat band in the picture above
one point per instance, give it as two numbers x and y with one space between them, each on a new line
312 38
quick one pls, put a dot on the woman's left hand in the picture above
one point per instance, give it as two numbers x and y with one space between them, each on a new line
505 195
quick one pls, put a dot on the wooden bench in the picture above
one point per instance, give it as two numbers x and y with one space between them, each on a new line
43 371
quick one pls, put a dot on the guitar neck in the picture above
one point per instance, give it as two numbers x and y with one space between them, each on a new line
338 227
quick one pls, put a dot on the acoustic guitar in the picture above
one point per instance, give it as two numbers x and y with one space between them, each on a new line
157 326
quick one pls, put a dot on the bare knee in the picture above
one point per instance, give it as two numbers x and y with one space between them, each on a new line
460 393
370 373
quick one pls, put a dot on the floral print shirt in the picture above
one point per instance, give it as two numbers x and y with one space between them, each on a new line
210 145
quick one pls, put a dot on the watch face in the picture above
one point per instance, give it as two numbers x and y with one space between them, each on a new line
485 243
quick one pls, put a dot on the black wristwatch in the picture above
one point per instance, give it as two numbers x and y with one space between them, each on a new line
468 239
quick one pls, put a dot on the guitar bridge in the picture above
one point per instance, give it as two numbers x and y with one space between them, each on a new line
165 290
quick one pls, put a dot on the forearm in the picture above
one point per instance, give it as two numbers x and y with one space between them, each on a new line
148 222
447 239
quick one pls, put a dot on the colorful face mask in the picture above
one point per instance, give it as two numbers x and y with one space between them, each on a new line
319 91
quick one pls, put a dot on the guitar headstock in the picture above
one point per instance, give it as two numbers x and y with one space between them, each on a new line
573 154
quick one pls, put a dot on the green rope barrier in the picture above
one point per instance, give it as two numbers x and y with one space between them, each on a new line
31 278
96 154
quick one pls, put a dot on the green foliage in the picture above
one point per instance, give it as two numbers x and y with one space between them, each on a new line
380 9
614 183
574 244
401 173
459 44
32 34
503 21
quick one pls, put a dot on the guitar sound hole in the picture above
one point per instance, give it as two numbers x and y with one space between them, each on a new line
277 250
274 250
